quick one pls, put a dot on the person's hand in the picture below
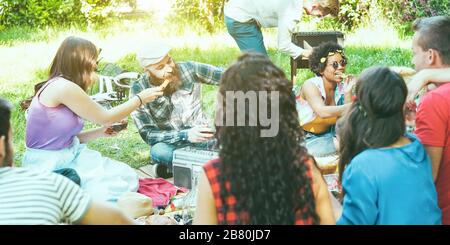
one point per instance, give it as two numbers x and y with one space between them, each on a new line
349 88
416 83
150 94
200 134
108 131
349 83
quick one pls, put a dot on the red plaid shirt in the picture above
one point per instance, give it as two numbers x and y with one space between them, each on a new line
212 171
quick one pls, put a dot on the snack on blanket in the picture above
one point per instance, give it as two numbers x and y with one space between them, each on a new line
156 220
327 165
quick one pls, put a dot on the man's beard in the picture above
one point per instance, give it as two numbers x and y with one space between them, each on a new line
173 85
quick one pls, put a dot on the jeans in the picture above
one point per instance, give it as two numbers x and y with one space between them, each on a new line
162 153
320 145
70 174
248 35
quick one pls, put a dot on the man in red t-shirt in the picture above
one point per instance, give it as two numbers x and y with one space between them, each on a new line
431 49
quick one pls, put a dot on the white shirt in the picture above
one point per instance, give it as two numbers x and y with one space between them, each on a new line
284 14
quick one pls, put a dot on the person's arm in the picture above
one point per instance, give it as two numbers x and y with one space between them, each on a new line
337 206
72 96
104 214
314 98
323 205
78 208
205 212
288 17
207 74
147 126
424 77
92 134
431 127
435 154
151 133
360 200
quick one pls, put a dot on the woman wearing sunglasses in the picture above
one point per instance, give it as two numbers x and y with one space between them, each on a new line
321 100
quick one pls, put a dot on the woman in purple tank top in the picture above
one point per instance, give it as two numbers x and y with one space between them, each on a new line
55 120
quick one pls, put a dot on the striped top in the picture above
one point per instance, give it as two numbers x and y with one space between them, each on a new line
36 198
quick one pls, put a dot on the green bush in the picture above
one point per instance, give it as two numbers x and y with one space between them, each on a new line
352 14
402 12
43 13
38 13
208 14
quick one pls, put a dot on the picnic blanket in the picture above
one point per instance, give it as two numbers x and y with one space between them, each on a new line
159 189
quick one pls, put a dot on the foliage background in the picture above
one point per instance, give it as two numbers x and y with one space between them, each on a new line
207 15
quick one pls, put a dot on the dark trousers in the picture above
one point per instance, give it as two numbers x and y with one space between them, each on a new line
70 174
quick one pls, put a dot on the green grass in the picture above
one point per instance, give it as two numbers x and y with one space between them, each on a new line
18 75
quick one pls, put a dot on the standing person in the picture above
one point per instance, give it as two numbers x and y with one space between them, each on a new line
431 50
56 117
244 19
37 198
385 173
261 180
176 119
324 98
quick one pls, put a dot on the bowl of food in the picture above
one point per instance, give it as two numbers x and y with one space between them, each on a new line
328 164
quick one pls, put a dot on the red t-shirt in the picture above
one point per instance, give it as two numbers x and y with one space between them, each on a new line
433 129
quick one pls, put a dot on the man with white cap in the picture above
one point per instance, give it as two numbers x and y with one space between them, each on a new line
175 119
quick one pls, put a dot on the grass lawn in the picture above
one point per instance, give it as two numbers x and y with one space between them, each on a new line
25 58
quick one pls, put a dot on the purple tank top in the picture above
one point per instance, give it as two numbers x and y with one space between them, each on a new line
51 128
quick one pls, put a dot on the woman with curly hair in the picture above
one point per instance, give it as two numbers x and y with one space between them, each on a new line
261 180
321 99
385 172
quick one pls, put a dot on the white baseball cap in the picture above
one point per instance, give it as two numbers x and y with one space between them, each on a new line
152 53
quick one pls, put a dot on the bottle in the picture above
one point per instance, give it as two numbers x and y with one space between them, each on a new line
190 202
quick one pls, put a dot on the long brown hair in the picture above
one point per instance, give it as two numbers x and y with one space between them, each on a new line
376 118
75 61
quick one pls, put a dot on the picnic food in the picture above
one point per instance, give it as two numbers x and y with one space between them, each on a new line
119 126
343 76
164 84
327 165
156 220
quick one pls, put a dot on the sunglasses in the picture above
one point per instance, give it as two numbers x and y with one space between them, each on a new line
335 64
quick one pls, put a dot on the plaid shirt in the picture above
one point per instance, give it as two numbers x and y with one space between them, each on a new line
168 118
212 171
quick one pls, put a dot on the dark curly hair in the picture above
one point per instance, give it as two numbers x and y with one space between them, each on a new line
376 119
267 175
320 52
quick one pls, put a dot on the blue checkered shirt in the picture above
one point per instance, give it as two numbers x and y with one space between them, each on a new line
168 118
